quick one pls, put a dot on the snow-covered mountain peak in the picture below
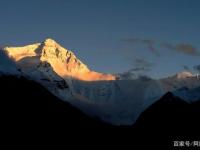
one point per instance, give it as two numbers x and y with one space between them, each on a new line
63 61
184 74
50 42
57 56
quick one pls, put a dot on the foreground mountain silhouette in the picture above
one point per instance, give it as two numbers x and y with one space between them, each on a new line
29 110
170 115
27 104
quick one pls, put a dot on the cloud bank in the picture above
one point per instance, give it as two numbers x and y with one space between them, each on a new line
154 46
184 48
141 67
149 43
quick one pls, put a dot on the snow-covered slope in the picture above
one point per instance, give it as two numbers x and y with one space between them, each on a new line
184 85
119 102
62 61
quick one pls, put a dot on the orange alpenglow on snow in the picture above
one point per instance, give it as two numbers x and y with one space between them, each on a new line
63 61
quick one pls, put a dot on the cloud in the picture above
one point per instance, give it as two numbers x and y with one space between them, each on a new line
142 63
186 68
197 68
130 75
141 66
167 45
185 48
138 40
149 43
154 46
144 78
137 69
127 75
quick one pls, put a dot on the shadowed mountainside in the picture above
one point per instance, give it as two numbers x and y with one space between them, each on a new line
27 104
170 116
29 108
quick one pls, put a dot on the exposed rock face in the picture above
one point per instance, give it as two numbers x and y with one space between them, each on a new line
63 61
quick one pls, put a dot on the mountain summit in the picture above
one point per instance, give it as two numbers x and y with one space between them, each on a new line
63 61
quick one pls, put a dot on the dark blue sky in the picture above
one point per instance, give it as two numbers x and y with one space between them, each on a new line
157 37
